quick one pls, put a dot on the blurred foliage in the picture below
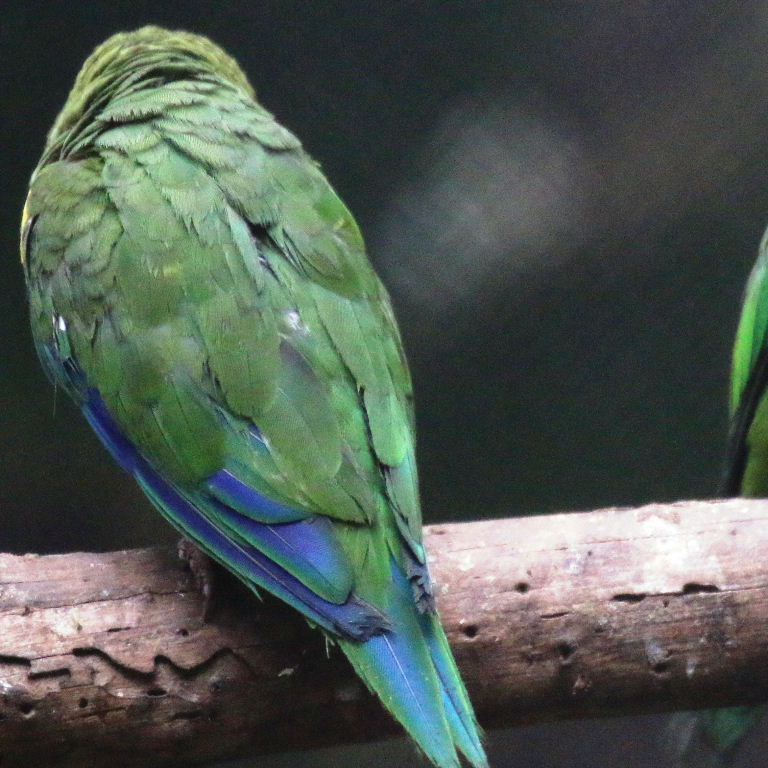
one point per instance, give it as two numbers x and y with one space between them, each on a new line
564 199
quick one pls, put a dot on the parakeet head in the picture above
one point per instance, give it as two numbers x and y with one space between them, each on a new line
142 58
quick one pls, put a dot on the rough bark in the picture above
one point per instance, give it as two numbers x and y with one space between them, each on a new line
105 659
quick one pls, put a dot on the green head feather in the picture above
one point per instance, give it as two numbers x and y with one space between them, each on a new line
135 60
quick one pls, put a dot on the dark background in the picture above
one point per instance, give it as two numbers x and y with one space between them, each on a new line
564 199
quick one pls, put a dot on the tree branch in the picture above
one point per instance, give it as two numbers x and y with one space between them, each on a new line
105 658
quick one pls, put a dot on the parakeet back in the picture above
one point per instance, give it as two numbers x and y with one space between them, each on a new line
198 288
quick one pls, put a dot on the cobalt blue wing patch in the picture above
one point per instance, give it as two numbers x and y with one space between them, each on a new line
308 549
354 618
307 545
233 492
102 423
316 579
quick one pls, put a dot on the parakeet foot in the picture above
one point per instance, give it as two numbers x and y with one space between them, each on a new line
203 570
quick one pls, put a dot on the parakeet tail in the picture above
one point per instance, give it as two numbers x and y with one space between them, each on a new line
401 653
411 668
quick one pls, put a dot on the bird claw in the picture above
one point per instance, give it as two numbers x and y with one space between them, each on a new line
203 572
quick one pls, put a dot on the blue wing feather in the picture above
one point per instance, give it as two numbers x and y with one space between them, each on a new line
293 555
308 549
312 575
120 448
225 486
354 618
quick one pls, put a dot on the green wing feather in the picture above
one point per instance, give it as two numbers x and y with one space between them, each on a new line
747 470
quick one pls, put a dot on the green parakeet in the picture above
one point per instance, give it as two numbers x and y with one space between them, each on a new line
198 288
747 463
746 474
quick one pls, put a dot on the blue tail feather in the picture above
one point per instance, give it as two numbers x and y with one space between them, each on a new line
397 665
411 668
461 717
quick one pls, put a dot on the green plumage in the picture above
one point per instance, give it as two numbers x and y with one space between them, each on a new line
190 264
723 730
748 456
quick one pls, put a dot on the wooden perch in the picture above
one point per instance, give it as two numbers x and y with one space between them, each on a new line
105 659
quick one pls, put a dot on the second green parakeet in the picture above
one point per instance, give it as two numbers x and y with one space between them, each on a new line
722 730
